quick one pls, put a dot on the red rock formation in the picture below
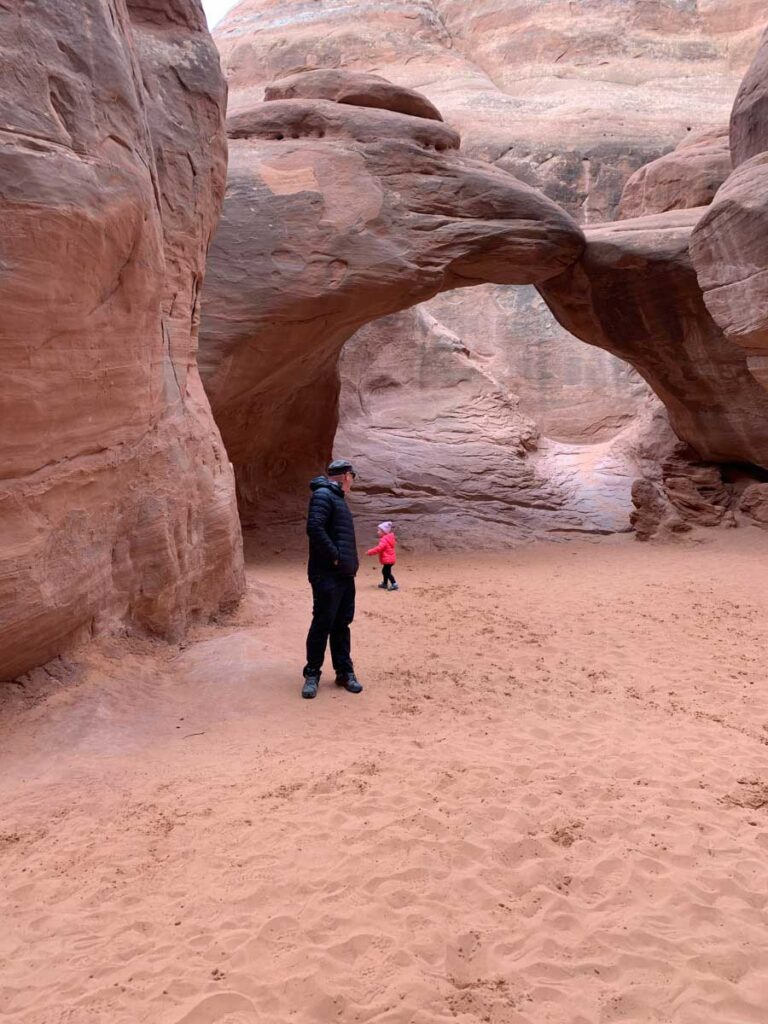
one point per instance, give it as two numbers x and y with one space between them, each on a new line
754 504
116 498
574 393
635 293
749 117
730 252
443 447
729 246
354 88
569 97
336 215
687 177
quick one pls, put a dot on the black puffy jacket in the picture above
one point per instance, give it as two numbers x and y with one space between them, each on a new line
331 531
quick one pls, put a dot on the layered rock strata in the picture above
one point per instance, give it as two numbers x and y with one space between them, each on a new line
571 98
445 449
116 498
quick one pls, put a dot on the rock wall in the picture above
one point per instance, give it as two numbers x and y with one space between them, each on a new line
570 97
116 497
445 449
729 246
573 393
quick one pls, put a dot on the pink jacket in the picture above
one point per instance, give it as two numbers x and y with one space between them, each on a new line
385 549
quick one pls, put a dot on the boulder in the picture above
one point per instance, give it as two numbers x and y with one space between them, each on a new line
729 249
749 116
650 515
687 177
355 88
754 503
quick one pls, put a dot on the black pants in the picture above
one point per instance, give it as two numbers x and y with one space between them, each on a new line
386 572
333 609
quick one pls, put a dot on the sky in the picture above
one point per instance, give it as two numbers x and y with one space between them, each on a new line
216 9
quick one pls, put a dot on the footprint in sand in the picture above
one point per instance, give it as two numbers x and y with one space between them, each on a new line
221 1008
465 957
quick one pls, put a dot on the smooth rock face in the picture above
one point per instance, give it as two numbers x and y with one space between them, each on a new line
635 293
687 177
749 117
729 247
574 393
336 215
116 498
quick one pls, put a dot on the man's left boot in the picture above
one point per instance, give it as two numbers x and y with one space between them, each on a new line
349 681
311 683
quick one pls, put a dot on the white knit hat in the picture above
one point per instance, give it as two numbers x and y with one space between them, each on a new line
386 526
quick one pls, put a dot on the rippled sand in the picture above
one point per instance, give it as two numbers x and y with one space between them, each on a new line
549 806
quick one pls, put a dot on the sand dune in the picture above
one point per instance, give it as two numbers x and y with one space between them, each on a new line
550 805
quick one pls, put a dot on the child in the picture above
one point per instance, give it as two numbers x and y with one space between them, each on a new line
385 549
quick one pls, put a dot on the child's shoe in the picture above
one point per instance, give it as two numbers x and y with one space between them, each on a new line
382 586
394 587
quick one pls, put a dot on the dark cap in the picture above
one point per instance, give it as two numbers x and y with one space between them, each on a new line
340 466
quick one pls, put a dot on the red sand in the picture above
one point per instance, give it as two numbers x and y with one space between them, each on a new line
550 805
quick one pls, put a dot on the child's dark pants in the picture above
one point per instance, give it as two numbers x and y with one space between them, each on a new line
386 572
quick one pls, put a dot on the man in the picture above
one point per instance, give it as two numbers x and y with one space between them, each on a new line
333 563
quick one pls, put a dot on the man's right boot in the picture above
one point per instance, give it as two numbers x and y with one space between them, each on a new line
349 681
311 683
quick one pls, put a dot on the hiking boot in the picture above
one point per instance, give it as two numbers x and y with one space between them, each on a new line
311 683
349 681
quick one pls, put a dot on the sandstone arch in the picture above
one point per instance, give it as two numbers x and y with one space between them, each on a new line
336 215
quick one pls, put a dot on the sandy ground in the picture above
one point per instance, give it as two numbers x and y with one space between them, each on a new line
550 804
